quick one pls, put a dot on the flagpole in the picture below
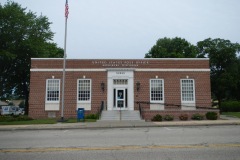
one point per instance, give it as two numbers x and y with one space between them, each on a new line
64 61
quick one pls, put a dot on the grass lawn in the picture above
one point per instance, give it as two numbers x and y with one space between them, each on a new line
74 120
232 114
35 121
43 121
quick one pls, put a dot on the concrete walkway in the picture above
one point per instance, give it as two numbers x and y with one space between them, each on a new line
224 120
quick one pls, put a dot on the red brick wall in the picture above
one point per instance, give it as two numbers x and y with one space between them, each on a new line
103 63
172 87
172 90
38 91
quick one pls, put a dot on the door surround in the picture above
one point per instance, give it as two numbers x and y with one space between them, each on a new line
124 75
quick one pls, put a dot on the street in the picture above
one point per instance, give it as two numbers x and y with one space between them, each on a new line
206 142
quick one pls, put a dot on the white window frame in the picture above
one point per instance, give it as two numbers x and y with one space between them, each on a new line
84 101
150 86
194 98
46 93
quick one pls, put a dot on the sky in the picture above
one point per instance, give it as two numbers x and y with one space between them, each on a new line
127 29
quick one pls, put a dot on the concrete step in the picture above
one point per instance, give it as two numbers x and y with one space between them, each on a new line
125 115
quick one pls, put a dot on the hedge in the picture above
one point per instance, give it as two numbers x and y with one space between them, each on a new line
168 117
10 118
197 116
157 117
211 115
230 106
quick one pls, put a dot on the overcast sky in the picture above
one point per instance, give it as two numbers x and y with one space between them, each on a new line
129 28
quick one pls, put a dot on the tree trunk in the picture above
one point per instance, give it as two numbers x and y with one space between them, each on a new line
26 95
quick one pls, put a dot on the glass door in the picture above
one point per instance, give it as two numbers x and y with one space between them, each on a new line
120 98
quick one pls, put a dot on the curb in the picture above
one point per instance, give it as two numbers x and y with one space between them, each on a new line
111 125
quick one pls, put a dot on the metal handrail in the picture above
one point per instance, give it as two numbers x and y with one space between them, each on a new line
101 109
170 104
167 104
140 110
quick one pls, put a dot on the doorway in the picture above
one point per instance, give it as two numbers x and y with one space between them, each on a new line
120 98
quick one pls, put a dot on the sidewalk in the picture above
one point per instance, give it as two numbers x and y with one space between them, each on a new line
224 120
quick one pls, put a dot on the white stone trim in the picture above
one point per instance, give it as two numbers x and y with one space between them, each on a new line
86 106
178 59
171 70
120 69
116 69
52 106
46 58
188 106
67 70
129 75
156 107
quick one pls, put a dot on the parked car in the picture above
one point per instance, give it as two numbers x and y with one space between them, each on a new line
22 111
11 110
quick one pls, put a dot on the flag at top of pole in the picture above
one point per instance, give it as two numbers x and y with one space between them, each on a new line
66 9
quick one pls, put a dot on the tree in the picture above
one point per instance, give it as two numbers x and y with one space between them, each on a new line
236 92
223 65
22 104
23 35
172 48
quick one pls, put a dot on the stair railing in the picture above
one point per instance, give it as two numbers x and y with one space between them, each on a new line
140 110
100 110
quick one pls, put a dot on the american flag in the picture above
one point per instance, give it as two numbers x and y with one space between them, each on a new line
66 9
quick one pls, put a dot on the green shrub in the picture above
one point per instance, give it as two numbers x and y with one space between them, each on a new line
183 117
10 118
168 117
197 116
91 116
24 118
6 118
211 115
157 117
230 106
22 104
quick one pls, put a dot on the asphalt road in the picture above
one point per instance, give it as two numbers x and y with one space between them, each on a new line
213 142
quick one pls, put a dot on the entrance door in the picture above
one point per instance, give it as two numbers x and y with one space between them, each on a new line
120 98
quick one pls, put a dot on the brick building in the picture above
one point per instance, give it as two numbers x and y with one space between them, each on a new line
159 86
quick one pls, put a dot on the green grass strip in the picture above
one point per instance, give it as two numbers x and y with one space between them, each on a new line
232 114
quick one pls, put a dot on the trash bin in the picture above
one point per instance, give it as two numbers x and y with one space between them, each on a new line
80 114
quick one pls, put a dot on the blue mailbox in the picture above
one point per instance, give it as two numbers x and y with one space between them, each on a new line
80 114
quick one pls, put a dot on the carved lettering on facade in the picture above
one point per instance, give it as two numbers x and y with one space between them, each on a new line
120 63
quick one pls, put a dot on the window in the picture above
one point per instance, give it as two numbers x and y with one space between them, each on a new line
120 81
84 90
52 90
188 90
156 90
